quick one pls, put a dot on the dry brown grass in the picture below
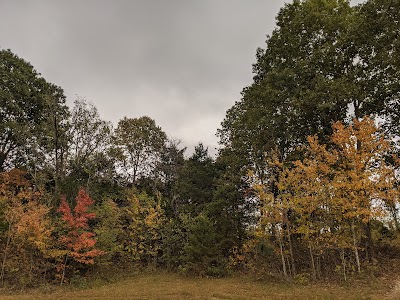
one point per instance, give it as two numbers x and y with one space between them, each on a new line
395 292
170 286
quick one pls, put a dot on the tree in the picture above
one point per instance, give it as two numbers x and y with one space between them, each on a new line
362 176
333 193
202 253
298 90
195 183
90 160
323 58
210 202
298 87
144 219
46 155
229 208
28 234
78 240
167 173
109 231
140 142
325 61
26 100
90 135
373 43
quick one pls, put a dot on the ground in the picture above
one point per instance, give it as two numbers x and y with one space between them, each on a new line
172 286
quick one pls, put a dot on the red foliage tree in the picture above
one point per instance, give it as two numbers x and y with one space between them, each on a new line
79 240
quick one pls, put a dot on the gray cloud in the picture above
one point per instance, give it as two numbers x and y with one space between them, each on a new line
181 62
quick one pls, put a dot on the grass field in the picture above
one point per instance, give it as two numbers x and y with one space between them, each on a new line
170 286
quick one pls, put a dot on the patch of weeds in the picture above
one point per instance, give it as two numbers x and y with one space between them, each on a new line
47 288
302 278
79 282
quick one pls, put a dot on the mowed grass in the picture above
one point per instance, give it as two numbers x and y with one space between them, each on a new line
172 286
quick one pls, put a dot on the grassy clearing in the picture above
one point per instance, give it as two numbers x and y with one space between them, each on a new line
171 286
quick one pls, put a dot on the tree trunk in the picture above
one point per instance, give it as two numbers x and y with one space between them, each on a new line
291 252
57 163
319 275
355 248
357 112
343 264
63 273
369 245
31 267
312 261
394 211
282 255
3 265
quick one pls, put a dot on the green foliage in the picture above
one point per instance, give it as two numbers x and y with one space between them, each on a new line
90 162
174 238
273 201
320 65
167 172
140 142
321 60
298 88
195 182
202 253
33 115
374 42
230 209
109 231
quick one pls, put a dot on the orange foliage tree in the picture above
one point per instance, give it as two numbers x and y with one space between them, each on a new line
78 239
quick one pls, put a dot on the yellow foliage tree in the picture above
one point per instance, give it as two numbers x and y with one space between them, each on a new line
28 238
144 222
334 193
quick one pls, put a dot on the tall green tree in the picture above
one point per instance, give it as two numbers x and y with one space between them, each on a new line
298 86
320 65
45 156
33 112
195 184
90 160
90 134
167 171
373 44
140 142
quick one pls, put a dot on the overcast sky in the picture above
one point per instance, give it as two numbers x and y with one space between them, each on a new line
181 62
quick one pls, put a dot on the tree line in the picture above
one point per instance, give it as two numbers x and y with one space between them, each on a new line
304 184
